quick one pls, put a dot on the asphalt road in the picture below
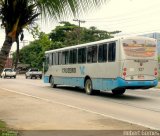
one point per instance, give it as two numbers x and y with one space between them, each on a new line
104 111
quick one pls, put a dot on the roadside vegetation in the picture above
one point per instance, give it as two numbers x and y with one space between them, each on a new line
5 131
17 15
2 125
66 34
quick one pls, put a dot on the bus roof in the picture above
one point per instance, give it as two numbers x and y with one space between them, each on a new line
97 42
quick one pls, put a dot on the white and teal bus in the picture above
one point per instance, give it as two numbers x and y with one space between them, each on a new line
113 64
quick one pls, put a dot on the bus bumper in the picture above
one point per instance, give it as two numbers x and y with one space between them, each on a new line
136 84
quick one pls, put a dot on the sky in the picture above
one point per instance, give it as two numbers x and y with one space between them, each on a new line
128 16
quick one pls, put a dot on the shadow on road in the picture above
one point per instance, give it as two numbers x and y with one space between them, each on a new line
107 94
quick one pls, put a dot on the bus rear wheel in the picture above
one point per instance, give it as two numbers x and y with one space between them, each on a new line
88 87
52 83
118 91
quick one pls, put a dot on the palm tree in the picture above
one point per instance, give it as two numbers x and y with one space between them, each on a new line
16 15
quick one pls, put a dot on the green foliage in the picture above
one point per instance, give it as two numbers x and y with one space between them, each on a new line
70 34
2 124
62 36
34 53
17 14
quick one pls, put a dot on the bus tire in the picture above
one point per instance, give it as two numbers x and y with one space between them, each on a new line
52 83
88 87
118 91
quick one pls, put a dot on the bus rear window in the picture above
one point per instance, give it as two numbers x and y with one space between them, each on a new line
139 47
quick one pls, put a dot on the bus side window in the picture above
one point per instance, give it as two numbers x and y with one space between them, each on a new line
73 56
59 58
94 51
65 57
53 58
92 54
47 59
82 55
56 58
112 52
50 59
89 54
102 53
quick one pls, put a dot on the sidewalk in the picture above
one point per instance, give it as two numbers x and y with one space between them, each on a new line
27 113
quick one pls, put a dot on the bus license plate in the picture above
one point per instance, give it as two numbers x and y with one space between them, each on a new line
140 77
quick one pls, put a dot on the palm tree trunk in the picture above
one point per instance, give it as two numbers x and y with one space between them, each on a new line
5 50
17 54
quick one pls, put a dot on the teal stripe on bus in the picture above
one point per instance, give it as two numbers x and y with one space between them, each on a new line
101 83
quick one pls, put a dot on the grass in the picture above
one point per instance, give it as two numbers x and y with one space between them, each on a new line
3 125
4 130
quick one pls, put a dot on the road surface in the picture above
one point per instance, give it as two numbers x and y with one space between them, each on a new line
32 105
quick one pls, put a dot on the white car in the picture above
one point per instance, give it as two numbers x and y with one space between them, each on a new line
33 72
8 72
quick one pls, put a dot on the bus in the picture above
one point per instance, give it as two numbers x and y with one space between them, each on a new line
113 65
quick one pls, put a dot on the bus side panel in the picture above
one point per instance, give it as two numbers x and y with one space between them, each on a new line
46 79
71 81
104 84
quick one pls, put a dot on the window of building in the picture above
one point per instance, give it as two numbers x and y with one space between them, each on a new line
112 52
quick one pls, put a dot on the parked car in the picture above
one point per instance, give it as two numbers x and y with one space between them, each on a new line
33 72
8 72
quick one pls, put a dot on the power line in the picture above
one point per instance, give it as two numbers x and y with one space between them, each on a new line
146 10
79 21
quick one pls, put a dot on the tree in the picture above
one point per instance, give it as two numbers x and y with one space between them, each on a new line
35 51
71 34
62 36
17 14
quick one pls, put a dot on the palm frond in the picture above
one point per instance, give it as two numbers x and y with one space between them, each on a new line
57 9
21 10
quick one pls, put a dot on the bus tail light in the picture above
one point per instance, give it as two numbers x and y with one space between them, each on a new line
155 72
124 72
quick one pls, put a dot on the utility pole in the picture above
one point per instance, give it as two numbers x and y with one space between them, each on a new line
79 33
79 21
